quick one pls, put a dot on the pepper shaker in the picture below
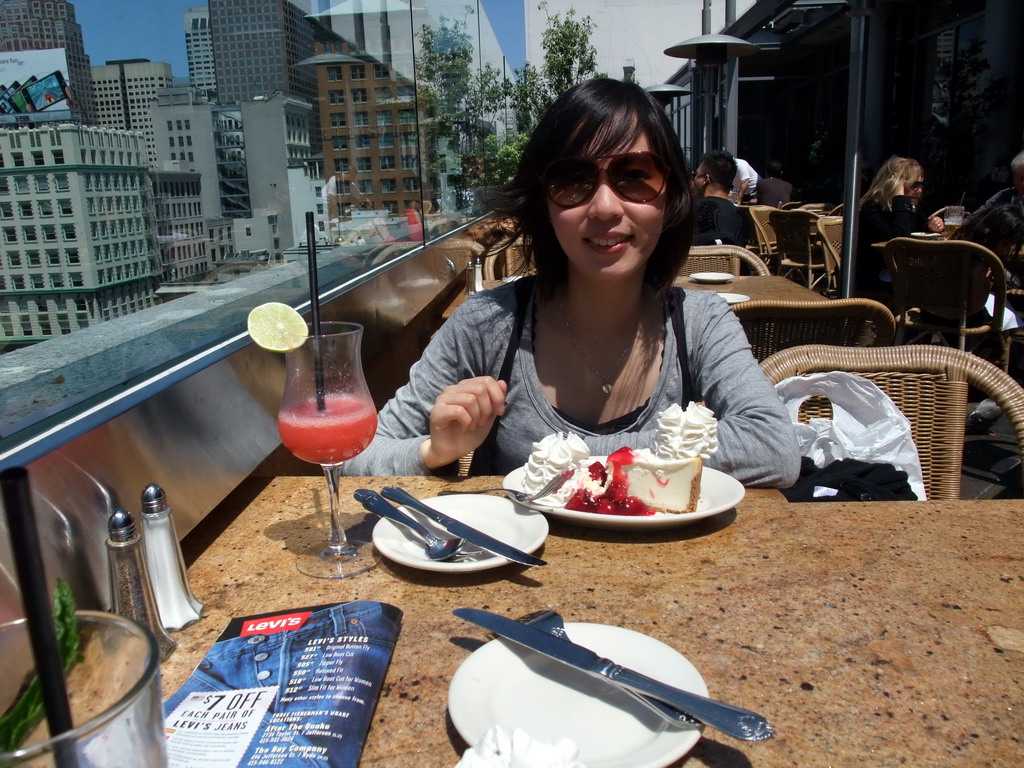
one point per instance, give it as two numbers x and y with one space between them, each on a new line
177 606
471 271
130 588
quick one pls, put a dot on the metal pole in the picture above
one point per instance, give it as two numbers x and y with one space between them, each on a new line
859 12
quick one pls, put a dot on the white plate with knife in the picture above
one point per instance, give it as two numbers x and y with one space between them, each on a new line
522 528
503 683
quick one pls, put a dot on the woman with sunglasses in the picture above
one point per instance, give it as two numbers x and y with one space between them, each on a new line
890 208
597 341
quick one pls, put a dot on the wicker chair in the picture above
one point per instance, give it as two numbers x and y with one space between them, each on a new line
937 275
723 258
928 384
830 240
772 325
799 253
766 241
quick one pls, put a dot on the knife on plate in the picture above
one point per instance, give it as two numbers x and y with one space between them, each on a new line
734 721
460 529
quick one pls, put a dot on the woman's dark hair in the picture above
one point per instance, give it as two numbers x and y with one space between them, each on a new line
593 119
995 225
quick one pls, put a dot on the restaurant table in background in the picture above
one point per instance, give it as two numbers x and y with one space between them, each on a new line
753 286
867 633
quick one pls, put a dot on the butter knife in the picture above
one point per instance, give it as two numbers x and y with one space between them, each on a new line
459 528
734 721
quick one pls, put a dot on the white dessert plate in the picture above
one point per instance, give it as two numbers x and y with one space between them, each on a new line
505 684
734 298
926 235
523 528
711 277
718 493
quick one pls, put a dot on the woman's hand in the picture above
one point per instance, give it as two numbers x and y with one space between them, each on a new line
936 224
461 417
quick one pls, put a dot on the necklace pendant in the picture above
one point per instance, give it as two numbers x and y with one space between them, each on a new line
606 388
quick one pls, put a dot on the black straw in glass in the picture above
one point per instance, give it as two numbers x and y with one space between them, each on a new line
28 561
314 308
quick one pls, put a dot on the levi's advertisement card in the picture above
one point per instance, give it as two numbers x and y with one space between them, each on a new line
289 688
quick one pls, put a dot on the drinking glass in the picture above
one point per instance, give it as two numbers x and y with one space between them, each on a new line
113 689
952 217
327 417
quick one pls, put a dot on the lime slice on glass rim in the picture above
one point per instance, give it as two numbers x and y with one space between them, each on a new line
277 327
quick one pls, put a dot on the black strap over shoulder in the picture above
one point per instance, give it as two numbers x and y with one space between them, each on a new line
483 456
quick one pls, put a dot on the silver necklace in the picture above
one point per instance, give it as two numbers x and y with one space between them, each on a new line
606 387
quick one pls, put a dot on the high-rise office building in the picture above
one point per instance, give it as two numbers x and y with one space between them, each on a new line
77 242
126 92
31 25
202 73
257 45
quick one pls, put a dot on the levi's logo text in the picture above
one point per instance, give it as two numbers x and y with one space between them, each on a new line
274 624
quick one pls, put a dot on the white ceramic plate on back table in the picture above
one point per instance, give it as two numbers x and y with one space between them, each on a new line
711 277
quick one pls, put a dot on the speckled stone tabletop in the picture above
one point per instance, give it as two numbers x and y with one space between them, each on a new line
869 634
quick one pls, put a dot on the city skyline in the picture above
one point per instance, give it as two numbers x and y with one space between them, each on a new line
161 30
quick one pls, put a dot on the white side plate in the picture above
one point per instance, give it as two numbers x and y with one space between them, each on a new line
505 684
523 528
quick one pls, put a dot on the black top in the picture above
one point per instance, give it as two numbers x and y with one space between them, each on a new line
719 222
878 225
774 192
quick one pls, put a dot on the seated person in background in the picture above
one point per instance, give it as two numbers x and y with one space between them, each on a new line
718 221
890 208
598 342
772 189
745 182
1014 194
1001 230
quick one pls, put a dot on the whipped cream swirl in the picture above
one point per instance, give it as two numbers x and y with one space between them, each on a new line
686 434
552 455
498 748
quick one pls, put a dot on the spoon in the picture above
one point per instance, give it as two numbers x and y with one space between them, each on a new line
436 547
522 497
553 624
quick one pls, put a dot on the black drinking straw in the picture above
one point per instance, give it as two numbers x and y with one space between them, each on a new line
314 308
28 561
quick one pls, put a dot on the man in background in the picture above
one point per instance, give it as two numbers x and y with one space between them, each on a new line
772 189
718 220
1014 194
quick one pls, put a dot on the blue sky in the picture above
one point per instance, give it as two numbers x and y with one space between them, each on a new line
160 34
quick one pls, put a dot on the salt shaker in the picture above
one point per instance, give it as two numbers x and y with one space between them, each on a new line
130 588
177 605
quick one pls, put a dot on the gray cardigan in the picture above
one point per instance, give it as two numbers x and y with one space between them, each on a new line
757 443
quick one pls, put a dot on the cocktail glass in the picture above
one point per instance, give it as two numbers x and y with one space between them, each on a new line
327 417
952 218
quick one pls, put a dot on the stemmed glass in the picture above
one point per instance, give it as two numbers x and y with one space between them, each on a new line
327 417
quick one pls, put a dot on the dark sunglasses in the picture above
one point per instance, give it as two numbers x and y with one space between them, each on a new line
638 177
917 185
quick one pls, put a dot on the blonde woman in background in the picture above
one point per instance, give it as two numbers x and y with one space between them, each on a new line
890 208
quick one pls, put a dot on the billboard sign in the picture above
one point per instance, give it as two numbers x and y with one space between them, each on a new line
34 86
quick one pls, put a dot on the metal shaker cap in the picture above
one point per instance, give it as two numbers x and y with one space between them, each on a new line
121 526
154 500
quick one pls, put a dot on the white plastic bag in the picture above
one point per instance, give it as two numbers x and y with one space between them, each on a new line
865 424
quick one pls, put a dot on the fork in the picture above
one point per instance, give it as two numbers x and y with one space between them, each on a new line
522 497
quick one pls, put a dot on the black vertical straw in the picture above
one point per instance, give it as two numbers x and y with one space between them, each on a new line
28 561
314 308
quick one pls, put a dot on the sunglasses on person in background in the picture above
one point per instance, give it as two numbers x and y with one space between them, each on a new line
917 185
637 177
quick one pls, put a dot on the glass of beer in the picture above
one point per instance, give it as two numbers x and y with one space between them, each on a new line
952 217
